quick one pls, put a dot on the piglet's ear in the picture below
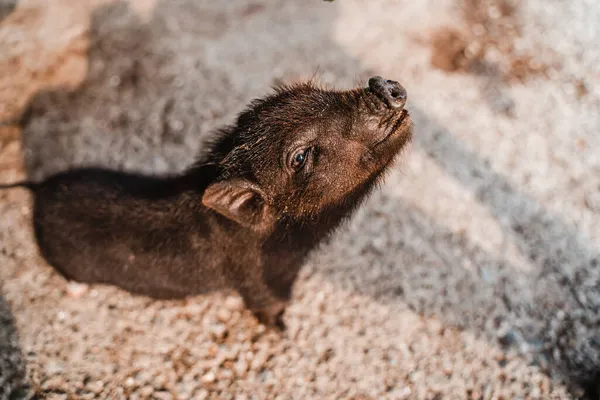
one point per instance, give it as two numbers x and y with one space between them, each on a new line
240 201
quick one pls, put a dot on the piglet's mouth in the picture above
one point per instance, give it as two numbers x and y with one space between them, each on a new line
396 127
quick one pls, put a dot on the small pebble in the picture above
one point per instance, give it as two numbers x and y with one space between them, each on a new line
96 387
234 303
209 378
147 391
241 368
202 394
224 315
163 396
76 289
219 331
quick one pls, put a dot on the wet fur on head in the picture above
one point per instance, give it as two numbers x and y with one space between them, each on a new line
233 152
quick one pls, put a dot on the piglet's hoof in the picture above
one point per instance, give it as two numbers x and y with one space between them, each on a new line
272 317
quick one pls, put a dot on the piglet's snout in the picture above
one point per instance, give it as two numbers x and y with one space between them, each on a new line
390 92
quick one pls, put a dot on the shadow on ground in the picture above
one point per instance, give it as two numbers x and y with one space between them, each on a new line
6 7
154 90
12 365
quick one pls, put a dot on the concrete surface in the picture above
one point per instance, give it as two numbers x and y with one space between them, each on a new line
474 273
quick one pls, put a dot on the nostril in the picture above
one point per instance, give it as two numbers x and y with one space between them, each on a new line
395 93
395 90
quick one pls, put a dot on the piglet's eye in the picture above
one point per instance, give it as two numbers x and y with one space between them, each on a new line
298 159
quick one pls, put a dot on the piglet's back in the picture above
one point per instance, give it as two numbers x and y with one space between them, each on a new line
136 221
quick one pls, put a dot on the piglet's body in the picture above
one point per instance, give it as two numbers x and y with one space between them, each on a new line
266 192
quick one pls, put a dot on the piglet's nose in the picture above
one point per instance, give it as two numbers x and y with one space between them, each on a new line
391 93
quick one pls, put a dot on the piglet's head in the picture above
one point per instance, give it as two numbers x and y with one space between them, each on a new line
305 151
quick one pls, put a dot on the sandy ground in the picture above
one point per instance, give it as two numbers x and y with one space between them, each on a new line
474 273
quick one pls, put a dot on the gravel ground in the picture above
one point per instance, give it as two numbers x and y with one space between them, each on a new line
474 273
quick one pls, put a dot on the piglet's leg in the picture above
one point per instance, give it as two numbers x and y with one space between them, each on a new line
272 316
265 306
266 303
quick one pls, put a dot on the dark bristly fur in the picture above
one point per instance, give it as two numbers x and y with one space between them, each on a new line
244 216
